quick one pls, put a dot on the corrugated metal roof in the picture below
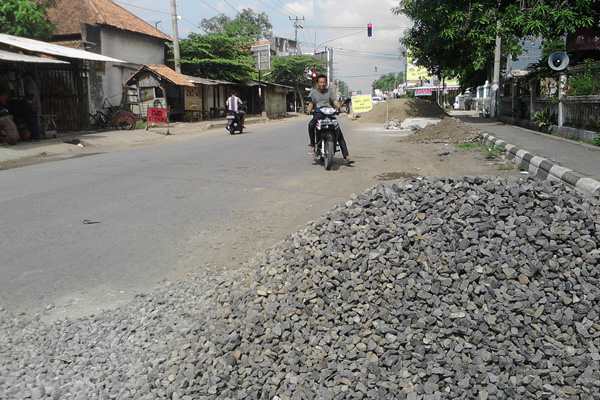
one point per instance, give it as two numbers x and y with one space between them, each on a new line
53 49
206 81
10 56
263 83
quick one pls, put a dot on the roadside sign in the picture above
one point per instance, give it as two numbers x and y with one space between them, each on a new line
361 103
157 115
262 56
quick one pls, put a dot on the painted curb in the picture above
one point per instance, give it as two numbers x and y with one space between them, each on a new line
545 169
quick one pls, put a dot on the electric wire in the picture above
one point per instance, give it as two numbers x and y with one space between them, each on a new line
234 9
268 6
142 8
219 12
347 28
285 6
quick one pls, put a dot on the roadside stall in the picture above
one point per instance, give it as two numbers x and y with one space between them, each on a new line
206 99
157 86
52 79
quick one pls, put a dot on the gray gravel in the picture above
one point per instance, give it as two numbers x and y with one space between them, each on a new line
425 289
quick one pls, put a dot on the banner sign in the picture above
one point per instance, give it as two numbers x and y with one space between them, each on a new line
157 115
361 103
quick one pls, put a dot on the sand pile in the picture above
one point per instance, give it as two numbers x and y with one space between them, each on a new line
448 130
400 109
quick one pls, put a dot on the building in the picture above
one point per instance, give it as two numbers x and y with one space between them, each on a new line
103 27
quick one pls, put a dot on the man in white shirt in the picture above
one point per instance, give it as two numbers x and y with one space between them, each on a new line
235 104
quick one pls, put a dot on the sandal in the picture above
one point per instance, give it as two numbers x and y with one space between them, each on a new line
311 150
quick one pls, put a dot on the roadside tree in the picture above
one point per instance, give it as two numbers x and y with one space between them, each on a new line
457 37
216 56
26 18
388 82
246 24
295 71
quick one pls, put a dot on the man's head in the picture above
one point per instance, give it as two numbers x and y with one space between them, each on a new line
322 82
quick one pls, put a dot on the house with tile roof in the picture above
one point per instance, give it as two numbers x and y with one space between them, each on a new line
104 27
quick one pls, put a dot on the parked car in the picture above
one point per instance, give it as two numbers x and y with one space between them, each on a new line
376 100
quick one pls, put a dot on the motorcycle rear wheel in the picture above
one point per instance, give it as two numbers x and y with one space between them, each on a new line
328 157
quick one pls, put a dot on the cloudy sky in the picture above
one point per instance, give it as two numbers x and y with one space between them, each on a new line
340 25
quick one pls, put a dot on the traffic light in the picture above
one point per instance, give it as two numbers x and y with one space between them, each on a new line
369 29
314 75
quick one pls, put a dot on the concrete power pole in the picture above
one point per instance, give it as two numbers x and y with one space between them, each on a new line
174 18
296 27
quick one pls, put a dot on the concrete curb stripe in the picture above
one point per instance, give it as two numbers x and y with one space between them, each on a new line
545 169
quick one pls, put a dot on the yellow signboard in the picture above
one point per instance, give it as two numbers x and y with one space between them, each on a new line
416 73
361 103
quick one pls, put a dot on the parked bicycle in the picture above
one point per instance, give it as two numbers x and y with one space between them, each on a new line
112 117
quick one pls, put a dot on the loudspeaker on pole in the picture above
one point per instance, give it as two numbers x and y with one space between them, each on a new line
558 61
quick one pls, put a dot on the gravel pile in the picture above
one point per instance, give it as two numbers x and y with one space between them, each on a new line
425 289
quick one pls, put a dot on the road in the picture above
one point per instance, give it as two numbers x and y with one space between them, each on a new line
84 234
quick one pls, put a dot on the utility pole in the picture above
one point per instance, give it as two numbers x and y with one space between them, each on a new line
174 18
495 93
296 27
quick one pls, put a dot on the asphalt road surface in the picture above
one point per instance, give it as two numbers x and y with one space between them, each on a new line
83 234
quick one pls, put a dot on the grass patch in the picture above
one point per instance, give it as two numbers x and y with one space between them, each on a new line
469 146
493 152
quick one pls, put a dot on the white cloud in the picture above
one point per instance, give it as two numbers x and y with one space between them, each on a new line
301 9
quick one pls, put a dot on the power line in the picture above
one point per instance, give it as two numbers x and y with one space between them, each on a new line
234 9
381 56
142 8
219 12
285 6
347 28
357 76
268 6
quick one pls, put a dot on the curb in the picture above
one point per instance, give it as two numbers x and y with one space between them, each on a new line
544 169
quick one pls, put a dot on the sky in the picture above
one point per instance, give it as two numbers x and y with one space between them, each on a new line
340 25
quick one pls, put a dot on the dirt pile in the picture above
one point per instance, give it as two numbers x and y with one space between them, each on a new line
400 109
448 130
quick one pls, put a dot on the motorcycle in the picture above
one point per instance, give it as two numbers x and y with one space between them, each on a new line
327 131
234 120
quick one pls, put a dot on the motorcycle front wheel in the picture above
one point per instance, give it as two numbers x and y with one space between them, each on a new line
328 156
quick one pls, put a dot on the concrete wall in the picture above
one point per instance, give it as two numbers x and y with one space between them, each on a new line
134 48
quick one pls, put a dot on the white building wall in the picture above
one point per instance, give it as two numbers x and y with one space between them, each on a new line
134 48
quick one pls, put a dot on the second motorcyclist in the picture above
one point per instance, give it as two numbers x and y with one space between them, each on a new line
235 104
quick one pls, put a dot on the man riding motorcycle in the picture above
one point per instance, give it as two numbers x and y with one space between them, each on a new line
320 96
235 104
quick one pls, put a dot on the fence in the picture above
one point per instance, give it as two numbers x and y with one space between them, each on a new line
578 111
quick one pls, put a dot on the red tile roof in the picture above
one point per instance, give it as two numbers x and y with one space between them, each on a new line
68 15
163 71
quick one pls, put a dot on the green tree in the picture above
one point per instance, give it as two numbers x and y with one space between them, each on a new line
217 56
389 81
246 24
457 37
343 88
26 18
295 71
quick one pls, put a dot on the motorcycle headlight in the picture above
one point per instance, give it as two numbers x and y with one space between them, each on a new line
327 110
